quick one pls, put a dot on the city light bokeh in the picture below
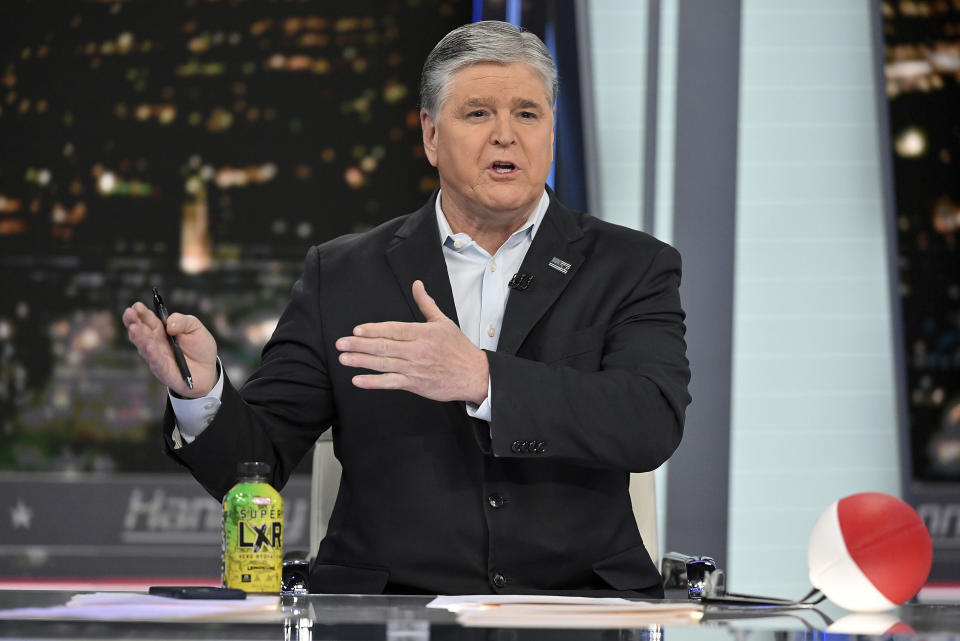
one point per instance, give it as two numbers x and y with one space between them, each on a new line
922 74
199 146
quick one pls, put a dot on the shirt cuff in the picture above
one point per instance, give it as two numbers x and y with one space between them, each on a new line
483 411
195 414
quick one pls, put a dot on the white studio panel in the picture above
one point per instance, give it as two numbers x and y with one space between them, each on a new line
813 414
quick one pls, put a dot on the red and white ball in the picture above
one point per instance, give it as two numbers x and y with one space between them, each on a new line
869 552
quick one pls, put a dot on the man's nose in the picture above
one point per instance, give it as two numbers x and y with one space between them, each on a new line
503 131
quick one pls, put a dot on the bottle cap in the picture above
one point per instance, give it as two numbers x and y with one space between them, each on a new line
253 468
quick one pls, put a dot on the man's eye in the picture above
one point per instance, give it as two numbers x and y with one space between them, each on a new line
527 115
479 113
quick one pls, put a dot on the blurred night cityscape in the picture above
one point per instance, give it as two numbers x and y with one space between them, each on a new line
198 146
922 72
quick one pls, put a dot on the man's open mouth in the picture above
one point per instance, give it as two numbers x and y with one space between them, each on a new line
503 167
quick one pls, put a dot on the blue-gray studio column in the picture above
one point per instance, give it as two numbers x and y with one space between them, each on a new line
705 188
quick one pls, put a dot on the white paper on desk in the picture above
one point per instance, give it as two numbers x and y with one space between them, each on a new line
540 611
464 601
126 606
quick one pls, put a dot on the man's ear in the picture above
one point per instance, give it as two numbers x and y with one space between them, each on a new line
429 129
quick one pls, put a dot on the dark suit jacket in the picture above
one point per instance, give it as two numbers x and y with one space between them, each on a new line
589 383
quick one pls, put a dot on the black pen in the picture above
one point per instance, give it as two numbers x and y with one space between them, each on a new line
161 311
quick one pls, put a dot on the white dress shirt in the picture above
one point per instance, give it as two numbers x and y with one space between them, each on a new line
480 290
479 283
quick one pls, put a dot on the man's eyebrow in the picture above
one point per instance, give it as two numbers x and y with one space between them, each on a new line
526 103
519 103
478 102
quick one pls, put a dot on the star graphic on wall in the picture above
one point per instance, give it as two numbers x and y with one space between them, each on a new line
21 515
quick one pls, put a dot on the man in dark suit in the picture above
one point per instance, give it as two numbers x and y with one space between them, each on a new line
486 429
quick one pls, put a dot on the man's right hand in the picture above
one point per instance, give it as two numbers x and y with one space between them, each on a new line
146 333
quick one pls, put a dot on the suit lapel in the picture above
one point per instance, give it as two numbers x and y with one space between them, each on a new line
416 253
555 239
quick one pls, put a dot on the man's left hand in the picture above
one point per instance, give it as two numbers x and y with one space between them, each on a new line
432 359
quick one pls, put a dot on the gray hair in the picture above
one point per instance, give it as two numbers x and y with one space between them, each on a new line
479 42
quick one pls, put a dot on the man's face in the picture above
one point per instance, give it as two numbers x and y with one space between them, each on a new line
492 142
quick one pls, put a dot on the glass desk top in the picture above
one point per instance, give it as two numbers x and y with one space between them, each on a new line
406 618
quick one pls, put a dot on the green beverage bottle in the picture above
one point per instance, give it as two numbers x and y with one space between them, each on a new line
252 541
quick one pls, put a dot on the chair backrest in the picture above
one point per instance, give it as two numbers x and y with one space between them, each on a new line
326 482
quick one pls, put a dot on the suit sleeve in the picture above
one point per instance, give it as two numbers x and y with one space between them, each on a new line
282 408
629 414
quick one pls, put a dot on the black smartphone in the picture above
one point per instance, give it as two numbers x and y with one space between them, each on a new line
196 592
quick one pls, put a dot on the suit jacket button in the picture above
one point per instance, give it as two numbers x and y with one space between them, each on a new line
499 580
496 501
515 447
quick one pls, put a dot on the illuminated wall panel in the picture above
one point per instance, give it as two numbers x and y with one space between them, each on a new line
813 414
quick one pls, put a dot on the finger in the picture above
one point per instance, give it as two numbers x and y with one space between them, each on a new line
129 317
394 330
380 381
427 305
134 335
146 316
374 363
178 323
374 346
139 335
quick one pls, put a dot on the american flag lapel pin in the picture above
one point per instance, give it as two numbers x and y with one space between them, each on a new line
561 266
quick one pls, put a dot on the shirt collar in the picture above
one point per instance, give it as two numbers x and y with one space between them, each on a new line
529 227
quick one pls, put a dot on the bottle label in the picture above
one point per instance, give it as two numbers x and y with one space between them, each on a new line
253 538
